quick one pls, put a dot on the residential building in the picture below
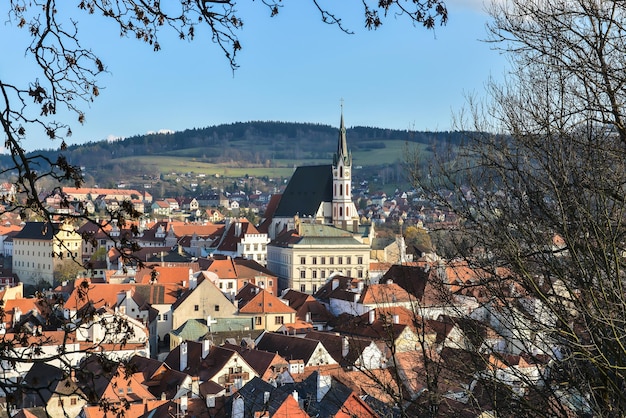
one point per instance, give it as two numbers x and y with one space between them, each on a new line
268 312
203 300
40 247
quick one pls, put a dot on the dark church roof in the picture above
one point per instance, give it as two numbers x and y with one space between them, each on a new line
308 188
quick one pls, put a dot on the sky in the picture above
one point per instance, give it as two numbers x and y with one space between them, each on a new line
293 68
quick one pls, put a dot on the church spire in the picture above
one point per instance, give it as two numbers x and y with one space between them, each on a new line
342 153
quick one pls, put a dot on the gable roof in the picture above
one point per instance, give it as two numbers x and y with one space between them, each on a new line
411 278
307 307
252 300
384 294
308 187
44 380
288 347
259 360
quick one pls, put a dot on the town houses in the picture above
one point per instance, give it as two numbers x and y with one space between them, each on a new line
308 312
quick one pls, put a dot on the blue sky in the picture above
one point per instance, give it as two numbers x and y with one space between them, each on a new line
293 68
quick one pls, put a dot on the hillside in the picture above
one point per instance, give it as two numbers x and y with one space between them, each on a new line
260 149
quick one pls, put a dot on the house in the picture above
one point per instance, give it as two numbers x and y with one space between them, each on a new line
214 215
346 297
40 247
308 309
232 274
269 366
109 381
351 351
50 387
112 331
209 362
311 352
318 395
393 325
214 200
203 300
242 239
266 310
161 208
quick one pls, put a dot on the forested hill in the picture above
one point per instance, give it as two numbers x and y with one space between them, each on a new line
246 142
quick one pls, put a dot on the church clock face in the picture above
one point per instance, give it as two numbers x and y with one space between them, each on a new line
347 172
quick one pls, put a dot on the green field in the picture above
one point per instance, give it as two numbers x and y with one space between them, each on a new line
192 161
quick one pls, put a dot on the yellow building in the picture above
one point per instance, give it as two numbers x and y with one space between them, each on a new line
40 247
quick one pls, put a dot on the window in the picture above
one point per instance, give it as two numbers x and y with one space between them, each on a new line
339 260
217 308
359 274
165 317
302 274
314 273
359 260
323 261
270 283
332 260
303 288
314 288
278 320
302 260
229 285
348 260
196 308
258 320
323 274
160 317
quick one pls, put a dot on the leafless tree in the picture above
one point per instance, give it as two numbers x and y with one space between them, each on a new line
540 191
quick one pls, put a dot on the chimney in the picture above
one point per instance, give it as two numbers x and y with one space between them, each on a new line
193 280
17 315
206 347
345 347
295 395
183 356
372 316
396 319
266 397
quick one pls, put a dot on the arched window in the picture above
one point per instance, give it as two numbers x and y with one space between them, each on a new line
347 190
348 211
340 211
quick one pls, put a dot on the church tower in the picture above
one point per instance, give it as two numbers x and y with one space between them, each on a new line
344 212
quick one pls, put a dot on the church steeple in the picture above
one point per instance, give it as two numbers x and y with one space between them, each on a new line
344 212
342 153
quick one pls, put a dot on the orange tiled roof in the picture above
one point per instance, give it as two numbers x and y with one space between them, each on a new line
264 302
225 268
290 408
385 293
